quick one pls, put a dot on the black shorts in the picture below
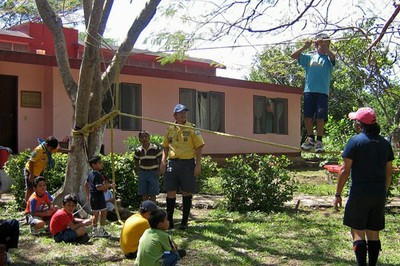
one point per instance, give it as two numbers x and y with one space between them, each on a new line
180 176
365 213
28 183
97 202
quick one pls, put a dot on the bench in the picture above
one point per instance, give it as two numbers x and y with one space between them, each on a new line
332 171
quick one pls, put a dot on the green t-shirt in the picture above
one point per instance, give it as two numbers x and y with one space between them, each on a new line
152 245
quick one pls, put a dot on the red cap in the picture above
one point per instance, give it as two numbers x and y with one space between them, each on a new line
365 115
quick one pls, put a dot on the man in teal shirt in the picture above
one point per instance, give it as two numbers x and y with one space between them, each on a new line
318 67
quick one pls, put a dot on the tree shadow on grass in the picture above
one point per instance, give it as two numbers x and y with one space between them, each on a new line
44 251
238 243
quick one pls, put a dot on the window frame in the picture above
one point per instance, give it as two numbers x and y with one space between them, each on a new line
192 99
273 125
117 94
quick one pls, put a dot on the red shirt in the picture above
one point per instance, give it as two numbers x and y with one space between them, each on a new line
60 221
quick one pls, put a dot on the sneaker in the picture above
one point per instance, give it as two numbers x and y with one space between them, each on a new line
308 144
182 253
171 225
102 233
34 231
8 259
83 239
319 147
183 226
94 232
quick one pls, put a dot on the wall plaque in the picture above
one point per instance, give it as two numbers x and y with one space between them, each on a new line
31 99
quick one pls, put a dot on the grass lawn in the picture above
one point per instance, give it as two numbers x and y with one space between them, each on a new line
308 236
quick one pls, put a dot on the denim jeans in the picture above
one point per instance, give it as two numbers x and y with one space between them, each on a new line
170 258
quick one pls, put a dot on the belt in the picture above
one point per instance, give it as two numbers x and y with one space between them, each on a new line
177 159
148 170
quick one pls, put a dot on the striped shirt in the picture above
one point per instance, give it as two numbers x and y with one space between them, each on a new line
148 159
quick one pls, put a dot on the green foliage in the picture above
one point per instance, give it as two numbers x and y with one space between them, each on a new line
337 134
276 66
360 78
394 189
125 178
55 176
206 182
254 182
16 12
133 142
317 189
15 169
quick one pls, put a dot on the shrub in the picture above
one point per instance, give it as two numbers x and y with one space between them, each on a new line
253 182
125 178
15 169
125 175
133 142
394 189
209 173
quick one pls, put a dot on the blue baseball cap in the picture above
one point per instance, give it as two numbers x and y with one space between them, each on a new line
148 206
179 108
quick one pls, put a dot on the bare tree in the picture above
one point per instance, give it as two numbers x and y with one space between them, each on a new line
86 93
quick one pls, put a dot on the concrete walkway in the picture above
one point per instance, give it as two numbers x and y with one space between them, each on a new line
205 201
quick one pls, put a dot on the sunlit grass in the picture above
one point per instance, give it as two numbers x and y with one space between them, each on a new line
308 236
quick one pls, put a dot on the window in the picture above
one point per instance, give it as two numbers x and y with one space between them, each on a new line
127 98
19 47
207 109
270 115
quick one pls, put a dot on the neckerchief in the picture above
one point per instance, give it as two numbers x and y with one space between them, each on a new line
50 161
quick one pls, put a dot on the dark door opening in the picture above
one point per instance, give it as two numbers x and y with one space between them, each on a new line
8 112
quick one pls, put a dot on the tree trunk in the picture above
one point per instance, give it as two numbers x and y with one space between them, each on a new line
86 95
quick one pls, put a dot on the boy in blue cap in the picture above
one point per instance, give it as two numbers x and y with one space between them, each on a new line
183 148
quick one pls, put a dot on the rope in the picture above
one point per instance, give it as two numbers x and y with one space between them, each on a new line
228 135
108 118
88 128
113 170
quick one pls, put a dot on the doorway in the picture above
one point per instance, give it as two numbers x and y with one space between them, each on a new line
8 112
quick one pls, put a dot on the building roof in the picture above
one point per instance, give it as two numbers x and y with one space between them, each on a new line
14 33
160 54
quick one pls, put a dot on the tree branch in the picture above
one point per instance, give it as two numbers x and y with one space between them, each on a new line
140 23
395 13
87 10
54 23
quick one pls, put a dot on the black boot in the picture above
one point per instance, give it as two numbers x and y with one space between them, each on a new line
170 211
360 249
187 205
374 247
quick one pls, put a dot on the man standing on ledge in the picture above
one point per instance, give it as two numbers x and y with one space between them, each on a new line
318 67
182 146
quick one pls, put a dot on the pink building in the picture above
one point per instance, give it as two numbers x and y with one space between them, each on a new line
35 103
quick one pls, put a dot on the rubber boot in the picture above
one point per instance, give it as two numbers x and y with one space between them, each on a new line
170 211
187 205
374 247
360 249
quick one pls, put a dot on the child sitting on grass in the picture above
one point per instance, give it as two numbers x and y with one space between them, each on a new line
39 208
65 227
156 246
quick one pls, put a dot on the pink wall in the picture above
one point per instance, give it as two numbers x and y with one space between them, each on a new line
238 116
55 116
30 120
